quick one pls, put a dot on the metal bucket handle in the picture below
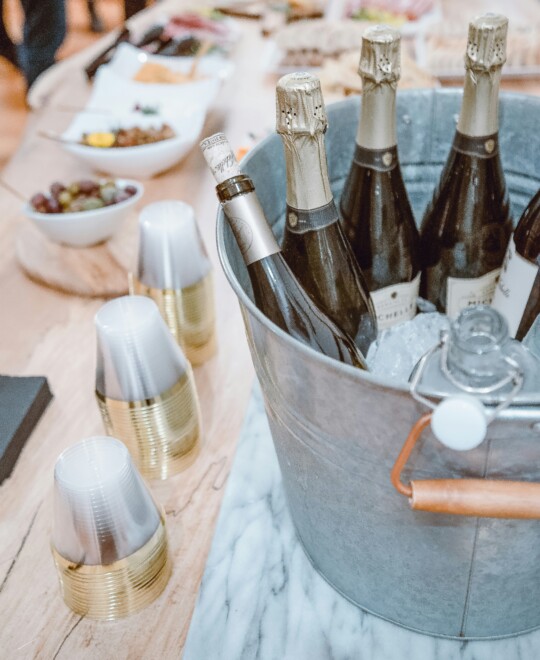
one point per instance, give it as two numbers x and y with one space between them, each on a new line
487 498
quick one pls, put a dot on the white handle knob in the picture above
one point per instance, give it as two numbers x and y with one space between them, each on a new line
460 422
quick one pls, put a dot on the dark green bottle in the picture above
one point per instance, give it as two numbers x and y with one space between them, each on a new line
375 208
314 244
467 225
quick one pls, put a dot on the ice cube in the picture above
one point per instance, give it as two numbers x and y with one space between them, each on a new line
398 349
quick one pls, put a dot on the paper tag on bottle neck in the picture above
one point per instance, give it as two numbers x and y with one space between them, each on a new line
301 221
514 287
382 160
480 147
396 303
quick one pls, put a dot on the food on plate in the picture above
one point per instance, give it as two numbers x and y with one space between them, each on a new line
444 45
243 9
185 34
334 48
302 9
146 109
308 43
293 10
394 12
153 72
128 137
340 77
97 139
84 195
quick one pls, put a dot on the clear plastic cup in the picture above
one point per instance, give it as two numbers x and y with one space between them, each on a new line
171 252
103 510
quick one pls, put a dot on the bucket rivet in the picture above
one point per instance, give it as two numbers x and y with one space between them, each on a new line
536 427
293 219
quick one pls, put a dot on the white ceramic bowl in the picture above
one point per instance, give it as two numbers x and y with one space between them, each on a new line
128 59
85 228
116 93
141 162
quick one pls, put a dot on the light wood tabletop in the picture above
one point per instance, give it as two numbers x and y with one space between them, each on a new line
45 332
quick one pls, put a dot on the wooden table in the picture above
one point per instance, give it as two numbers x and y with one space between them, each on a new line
43 332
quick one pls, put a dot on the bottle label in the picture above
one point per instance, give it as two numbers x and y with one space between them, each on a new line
396 303
465 292
485 146
514 287
299 221
251 230
382 160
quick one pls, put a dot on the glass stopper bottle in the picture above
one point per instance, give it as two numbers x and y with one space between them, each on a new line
479 357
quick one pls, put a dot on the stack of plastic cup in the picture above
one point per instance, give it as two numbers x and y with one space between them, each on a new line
109 540
174 270
145 388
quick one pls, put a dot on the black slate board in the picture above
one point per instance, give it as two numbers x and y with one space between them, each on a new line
22 402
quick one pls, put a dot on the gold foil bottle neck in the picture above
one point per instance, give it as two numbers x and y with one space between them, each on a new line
486 44
300 105
380 57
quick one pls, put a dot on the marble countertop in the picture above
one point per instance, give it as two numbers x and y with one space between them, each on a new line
261 598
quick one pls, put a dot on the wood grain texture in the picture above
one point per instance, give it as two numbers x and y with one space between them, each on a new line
488 498
91 272
46 332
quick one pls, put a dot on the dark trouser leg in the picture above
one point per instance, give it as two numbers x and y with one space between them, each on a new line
131 7
7 47
44 32
96 24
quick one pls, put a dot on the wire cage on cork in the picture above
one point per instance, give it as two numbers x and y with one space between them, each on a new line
338 430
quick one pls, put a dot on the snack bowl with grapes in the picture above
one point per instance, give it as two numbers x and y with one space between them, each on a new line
85 212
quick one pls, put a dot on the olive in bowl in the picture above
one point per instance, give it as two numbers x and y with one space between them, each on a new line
84 212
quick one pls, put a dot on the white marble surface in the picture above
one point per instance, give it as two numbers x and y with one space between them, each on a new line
261 599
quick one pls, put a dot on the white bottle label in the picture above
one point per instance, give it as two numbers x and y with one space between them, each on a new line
465 292
514 287
396 303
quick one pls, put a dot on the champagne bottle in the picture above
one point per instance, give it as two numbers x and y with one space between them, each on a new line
517 296
376 212
314 244
467 225
277 292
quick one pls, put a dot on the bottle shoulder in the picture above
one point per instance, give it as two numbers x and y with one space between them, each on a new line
527 232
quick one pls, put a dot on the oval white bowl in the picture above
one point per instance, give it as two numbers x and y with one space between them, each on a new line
85 228
141 162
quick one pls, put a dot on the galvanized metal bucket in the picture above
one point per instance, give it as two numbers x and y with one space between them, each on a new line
338 430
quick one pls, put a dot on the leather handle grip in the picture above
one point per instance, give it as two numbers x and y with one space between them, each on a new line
490 498
477 497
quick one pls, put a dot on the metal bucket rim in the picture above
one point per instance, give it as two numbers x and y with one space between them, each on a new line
338 367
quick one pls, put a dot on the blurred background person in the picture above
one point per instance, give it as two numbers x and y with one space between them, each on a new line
43 32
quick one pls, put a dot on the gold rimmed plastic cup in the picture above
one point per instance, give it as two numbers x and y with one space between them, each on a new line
109 540
145 388
174 270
